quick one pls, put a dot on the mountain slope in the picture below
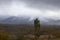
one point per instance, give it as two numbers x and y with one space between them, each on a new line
16 20
28 20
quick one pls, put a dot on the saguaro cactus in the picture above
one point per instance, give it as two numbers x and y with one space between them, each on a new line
37 28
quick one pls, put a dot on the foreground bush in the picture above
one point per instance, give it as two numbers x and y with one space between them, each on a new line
4 36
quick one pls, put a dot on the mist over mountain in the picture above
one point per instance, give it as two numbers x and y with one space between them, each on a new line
16 20
27 20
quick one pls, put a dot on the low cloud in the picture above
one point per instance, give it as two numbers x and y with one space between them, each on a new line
33 8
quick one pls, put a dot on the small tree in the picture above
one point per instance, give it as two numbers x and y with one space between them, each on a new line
37 28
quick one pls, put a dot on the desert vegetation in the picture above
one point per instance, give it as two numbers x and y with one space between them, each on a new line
29 32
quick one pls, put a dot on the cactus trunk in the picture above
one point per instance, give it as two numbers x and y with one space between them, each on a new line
37 29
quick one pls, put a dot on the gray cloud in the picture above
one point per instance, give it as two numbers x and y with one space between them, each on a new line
5 1
51 7
37 7
43 4
40 4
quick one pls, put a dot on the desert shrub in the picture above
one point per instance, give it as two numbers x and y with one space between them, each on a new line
12 37
4 36
56 33
20 36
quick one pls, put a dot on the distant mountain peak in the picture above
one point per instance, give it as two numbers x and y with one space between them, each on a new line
27 20
16 20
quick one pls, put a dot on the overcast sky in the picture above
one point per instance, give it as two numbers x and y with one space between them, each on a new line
33 8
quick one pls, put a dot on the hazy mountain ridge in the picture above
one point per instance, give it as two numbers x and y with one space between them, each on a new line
16 20
27 20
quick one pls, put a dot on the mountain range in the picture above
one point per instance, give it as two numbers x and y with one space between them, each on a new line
16 20
27 20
